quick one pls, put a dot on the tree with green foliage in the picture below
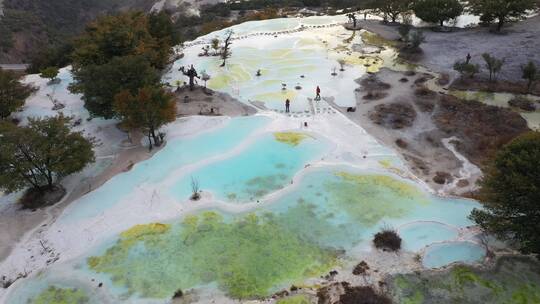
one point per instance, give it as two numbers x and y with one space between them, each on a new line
51 73
416 38
57 56
404 30
493 64
100 83
148 110
215 46
510 191
120 52
466 68
501 11
127 34
12 93
40 154
531 74
437 11
392 8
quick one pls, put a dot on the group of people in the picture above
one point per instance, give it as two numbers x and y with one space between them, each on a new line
288 102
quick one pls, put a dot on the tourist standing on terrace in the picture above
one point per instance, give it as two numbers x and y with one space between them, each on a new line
318 91
287 106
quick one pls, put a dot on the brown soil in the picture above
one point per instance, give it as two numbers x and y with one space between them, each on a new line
482 129
394 115
375 95
203 101
373 83
442 178
522 104
362 295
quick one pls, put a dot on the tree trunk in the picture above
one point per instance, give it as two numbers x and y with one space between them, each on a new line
500 24
191 83
50 180
157 141
442 23
150 147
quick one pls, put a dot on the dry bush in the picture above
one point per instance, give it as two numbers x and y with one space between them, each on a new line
387 240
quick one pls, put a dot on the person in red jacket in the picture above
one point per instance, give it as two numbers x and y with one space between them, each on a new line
318 91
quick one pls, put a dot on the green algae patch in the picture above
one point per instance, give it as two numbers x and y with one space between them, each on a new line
513 280
297 299
57 295
259 186
290 138
248 257
370 198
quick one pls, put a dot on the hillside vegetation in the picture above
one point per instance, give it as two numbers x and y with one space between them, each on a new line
29 25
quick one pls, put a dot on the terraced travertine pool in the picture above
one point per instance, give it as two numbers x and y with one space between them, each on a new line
302 234
281 205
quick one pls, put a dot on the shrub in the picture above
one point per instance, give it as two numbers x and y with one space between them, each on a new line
387 240
465 68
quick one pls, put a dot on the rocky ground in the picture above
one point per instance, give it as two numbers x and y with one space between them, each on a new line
518 44
203 101
443 139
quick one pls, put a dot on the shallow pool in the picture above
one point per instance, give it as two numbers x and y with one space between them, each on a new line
442 254
175 154
291 65
416 236
266 166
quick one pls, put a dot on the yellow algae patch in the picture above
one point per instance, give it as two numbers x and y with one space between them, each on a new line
219 82
398 187
290 138
271 82
385 163
232 74
276 96
309 42
372 63
377 40
281 53
298 70
138 231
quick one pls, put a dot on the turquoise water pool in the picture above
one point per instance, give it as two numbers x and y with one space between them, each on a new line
266 166
442 254
361 202
177 153
416 236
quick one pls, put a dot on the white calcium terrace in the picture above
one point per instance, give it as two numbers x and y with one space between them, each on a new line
228 155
